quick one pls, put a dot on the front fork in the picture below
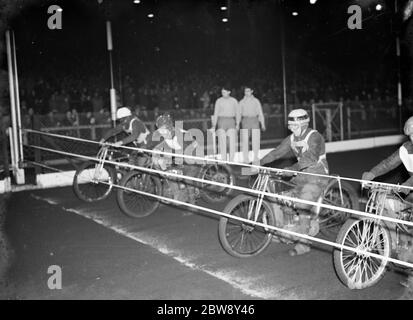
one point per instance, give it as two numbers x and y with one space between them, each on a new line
254 206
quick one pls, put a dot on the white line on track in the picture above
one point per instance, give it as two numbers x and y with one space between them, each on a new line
253 286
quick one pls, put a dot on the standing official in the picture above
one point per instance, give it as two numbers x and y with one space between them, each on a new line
226 117
251 118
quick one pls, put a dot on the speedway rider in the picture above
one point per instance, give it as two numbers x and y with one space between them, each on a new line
135 129
165 139
403 155
308 147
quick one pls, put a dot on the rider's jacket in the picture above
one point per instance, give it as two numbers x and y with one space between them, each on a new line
134 128
404 155
173 145
309 150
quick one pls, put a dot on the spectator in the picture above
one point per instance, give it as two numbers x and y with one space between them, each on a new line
97 102
226 117
251 118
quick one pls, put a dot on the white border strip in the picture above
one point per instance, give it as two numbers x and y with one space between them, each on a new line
366 143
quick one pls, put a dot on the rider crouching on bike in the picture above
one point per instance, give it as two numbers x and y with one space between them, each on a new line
308 147
403 155
165 139
134 128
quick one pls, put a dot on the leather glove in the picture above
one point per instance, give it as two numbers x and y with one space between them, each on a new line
367 176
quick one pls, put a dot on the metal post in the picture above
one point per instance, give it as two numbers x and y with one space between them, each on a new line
349 122
341 122
4 151
399 82
112 85
282 31
93 132
37 142
12 96
14 141
18 113
328 125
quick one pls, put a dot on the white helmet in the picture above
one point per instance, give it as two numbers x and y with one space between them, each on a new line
298 116
123 112
408 127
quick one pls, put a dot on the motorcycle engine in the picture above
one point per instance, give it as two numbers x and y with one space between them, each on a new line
174 188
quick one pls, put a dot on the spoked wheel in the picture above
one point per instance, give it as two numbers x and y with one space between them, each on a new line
242 239
92 182
218 173
134 204
357 270
332 220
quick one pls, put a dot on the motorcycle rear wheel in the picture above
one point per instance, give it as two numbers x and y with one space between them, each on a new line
356 270
217 173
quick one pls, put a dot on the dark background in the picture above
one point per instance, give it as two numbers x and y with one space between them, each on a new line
186 41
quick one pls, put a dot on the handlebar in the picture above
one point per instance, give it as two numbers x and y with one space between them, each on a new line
272 172
377 186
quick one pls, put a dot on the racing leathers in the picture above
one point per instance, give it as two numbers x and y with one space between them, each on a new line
174 145
404 155
309 149
136 132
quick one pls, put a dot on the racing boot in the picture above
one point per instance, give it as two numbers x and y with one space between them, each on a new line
308 227
299 249
408 283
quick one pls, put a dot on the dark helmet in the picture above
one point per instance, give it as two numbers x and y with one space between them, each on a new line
164 119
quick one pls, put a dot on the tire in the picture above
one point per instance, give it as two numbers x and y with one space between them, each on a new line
218 173
228 228
136 205
93 191
332 220
359 277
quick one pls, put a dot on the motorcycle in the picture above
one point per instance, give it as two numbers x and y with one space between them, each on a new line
387 239
138 205
243 240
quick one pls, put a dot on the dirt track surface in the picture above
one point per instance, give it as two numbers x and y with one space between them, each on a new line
172 254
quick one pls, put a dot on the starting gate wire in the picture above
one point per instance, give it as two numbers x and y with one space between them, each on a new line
211 159
226 215
266 226
220 184
44 166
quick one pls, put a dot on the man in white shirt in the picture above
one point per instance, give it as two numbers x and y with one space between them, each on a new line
251 118
226 117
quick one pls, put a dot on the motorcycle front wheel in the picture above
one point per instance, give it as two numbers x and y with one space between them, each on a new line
243 239
92 182
134 204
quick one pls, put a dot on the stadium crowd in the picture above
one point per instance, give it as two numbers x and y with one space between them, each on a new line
81 98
